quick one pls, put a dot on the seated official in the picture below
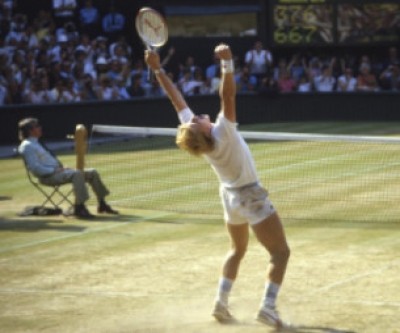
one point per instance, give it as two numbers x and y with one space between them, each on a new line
49 170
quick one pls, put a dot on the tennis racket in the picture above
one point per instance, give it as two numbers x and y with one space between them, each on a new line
151 28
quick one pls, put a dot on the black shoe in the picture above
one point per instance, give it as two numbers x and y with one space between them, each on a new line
82 212
106 209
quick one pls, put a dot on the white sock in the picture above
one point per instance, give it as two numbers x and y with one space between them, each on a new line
224 288
271 294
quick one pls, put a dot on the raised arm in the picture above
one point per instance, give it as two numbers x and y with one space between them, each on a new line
227 90
152 59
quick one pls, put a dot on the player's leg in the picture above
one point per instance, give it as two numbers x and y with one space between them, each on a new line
271 235
239 236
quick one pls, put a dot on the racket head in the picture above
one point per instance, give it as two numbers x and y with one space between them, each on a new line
151 27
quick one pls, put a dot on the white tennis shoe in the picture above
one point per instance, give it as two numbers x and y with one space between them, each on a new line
221 312
270 316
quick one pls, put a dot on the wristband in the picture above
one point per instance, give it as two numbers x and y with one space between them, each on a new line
185 115
158 71
227 66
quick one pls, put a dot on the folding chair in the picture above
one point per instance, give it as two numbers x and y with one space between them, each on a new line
54 194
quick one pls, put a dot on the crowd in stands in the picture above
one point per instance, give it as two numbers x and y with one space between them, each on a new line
74 53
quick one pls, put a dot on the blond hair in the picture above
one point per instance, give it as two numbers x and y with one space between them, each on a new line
193 141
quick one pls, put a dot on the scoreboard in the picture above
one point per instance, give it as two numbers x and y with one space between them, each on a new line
330 22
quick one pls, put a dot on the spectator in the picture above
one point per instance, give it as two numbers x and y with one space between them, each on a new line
347 82
215 83
390 78
121 49
259 60
325 82
122 89
89 18
280 68
58 48
36 93
43 24
296 67
64 92
71 93
366 81
115 70
107 90
18 26
64 11
4 96
101 67
78 74
304 85
31 38
81 59
100 47
286 83
393 57
189 67
66 69
136 88
314 68
19 71
168 57
268 85
8 7
88 90
86 45
113 24
71 32
139 68
54 74
245 81
191 84
155 89
212 71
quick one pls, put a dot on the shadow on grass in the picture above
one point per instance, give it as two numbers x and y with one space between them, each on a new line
3 198
37 224
317 329
292 329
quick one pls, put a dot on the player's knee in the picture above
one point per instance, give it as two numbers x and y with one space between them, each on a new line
281 255
237 254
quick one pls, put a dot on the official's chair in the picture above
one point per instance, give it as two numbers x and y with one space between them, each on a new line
54 194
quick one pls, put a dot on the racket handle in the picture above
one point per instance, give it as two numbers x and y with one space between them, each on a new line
149 73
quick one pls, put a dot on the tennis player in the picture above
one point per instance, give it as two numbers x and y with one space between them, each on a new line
244 200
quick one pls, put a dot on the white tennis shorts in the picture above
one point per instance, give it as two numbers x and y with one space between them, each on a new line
247 204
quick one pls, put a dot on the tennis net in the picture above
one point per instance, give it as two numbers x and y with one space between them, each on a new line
308 176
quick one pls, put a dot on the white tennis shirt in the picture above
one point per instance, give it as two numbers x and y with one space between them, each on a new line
231 158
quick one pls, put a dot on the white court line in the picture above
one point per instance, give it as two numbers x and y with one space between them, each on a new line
86 232
351 279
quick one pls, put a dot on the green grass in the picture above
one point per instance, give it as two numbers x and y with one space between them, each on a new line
155 270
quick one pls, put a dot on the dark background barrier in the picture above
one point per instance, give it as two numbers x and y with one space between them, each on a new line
60 119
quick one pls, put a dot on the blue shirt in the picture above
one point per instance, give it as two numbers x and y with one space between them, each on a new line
113 22
39 161
89 15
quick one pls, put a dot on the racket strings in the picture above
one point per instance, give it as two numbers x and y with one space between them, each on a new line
152 28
